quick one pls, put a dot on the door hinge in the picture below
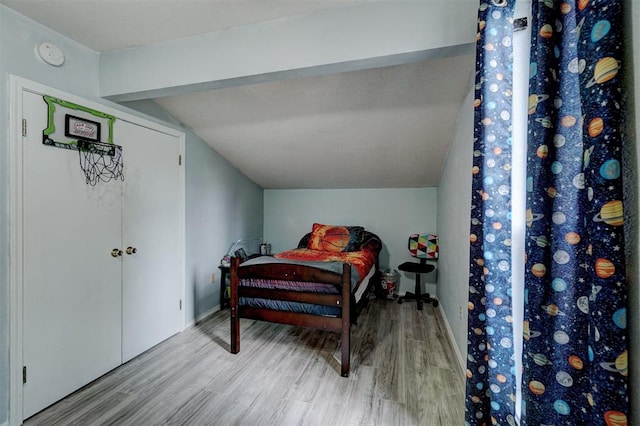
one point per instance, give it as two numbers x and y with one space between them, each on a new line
179 160
24 374
24 127
180 304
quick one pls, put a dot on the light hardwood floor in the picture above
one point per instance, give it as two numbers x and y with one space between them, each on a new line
403 372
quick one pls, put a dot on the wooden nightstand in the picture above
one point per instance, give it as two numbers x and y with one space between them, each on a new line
224 299
224 272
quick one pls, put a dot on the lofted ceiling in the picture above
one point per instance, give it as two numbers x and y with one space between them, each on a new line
374 123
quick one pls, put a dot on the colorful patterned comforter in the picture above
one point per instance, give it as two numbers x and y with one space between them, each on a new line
362 260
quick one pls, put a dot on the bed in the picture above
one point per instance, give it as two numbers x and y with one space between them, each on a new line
321 284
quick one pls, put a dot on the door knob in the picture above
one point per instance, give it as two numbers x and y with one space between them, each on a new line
131 250
116 252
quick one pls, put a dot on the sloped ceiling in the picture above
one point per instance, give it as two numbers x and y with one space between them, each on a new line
380 128
374 123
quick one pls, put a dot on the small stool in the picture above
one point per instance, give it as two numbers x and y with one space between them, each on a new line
418 268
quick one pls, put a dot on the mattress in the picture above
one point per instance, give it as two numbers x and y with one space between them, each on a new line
358 288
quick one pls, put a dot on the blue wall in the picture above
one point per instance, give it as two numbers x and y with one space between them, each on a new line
454 204
222 205
392 214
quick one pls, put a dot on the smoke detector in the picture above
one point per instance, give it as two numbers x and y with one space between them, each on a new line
50 54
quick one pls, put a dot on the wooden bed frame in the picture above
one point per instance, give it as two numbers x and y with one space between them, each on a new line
291 272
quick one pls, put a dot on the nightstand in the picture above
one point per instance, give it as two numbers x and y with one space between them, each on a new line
224 272
224 300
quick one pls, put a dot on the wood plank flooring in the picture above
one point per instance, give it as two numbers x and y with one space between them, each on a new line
403 372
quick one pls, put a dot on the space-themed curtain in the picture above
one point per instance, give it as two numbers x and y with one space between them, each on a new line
490 394
575 342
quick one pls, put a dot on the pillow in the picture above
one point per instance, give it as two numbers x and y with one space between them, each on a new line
335 238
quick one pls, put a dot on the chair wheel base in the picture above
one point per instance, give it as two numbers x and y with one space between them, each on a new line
417 295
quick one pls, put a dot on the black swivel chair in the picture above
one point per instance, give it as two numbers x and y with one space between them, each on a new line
423 247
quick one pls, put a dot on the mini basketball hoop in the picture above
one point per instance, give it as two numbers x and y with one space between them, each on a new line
100 161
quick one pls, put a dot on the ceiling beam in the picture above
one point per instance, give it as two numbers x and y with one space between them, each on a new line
335 40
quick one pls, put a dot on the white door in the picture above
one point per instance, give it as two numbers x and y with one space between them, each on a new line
71 283
152 200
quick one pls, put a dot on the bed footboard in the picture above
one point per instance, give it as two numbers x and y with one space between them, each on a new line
290 272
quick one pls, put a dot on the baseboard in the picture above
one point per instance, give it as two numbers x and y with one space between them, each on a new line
203 316
461 361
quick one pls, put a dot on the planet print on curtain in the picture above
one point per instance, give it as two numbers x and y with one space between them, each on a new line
490 371
575 338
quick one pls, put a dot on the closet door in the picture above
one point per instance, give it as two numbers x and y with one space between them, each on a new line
71 283
152 206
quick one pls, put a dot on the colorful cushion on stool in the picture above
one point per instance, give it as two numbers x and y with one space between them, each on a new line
424 246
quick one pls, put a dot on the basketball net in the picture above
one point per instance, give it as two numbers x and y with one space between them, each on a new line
100 161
